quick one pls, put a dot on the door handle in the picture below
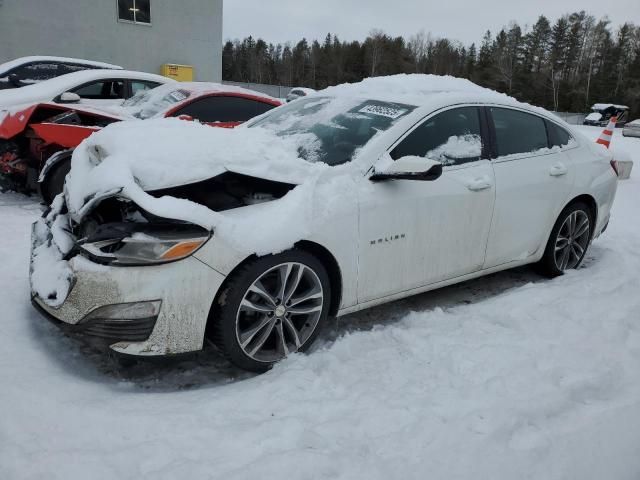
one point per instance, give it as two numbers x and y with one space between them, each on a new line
558 170
479 184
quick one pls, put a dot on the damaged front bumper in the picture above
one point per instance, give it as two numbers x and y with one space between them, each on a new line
145 311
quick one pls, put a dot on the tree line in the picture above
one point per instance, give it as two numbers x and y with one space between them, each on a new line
566 65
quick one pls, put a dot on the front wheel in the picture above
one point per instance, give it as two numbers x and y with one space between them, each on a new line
271 307
569 240
53 183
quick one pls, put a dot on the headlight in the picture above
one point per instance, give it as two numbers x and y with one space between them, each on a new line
146 249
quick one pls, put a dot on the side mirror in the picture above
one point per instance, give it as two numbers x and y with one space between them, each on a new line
69 97
409 168
187 118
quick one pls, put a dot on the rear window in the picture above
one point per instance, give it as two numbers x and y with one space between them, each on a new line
518 132
558 136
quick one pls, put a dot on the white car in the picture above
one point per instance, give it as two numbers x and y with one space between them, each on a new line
357 196
24 71
90 87
632 129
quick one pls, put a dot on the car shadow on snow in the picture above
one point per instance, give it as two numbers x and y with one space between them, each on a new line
209 369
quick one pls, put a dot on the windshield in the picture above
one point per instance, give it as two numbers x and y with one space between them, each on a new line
332 130
149 103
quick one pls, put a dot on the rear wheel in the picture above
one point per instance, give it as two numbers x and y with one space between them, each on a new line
53 183
271 307
569 240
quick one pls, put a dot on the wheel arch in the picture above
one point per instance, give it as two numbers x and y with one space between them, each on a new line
333 270
590 202
315 249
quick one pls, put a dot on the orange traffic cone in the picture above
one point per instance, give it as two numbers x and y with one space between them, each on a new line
607 134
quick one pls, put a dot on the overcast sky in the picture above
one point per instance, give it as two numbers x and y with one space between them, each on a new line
290 20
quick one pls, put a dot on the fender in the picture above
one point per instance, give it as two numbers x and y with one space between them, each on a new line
54 160
13 123
67 136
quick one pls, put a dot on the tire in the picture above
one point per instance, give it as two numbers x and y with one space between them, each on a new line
256 330
569 240
53 183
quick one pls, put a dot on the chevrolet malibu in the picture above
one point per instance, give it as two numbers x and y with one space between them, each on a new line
355 196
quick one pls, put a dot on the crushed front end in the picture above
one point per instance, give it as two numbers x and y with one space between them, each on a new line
123 279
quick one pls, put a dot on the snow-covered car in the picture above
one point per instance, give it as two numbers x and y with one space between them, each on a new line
37 142
357 196
602 112
299 92
29 70
632 129
87 87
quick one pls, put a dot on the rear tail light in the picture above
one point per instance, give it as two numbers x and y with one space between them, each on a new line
614 165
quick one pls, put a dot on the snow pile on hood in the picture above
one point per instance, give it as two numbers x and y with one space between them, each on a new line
132 158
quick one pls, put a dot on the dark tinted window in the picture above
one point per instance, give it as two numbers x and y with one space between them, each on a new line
73 67
451 137
138 11
558 136
223 109
518 132
37 71
102 90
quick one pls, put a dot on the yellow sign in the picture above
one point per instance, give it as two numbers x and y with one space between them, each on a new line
181 73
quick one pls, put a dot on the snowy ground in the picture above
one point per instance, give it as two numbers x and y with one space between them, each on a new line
506 377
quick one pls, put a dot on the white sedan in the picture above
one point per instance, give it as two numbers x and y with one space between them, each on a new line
355 196
91 87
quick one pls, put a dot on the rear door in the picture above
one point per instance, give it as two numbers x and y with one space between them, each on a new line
533 182
415 233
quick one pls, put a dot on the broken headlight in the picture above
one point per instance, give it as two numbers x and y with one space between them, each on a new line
151 247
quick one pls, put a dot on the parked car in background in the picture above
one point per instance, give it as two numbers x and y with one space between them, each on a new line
602 112
37 142
632 129
299 92
29 70
361 195
87 87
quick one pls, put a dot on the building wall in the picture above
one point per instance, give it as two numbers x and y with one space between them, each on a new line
187 32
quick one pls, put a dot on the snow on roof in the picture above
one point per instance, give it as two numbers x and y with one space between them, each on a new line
5 67
416 89
49 89
604 106
201 88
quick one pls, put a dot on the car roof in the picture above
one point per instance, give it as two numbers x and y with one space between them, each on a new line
199 89
10 65
427 93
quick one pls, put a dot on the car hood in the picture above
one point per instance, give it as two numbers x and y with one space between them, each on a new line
131 159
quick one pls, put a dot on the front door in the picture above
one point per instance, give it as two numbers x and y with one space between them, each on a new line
415 233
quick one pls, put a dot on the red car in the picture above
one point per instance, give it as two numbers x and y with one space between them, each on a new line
36 143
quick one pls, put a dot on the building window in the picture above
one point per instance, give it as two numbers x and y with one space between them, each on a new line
135 11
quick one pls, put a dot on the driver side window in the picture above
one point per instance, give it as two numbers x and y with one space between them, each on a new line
452 137
102 90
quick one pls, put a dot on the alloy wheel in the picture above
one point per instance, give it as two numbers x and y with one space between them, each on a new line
279 312
572 240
